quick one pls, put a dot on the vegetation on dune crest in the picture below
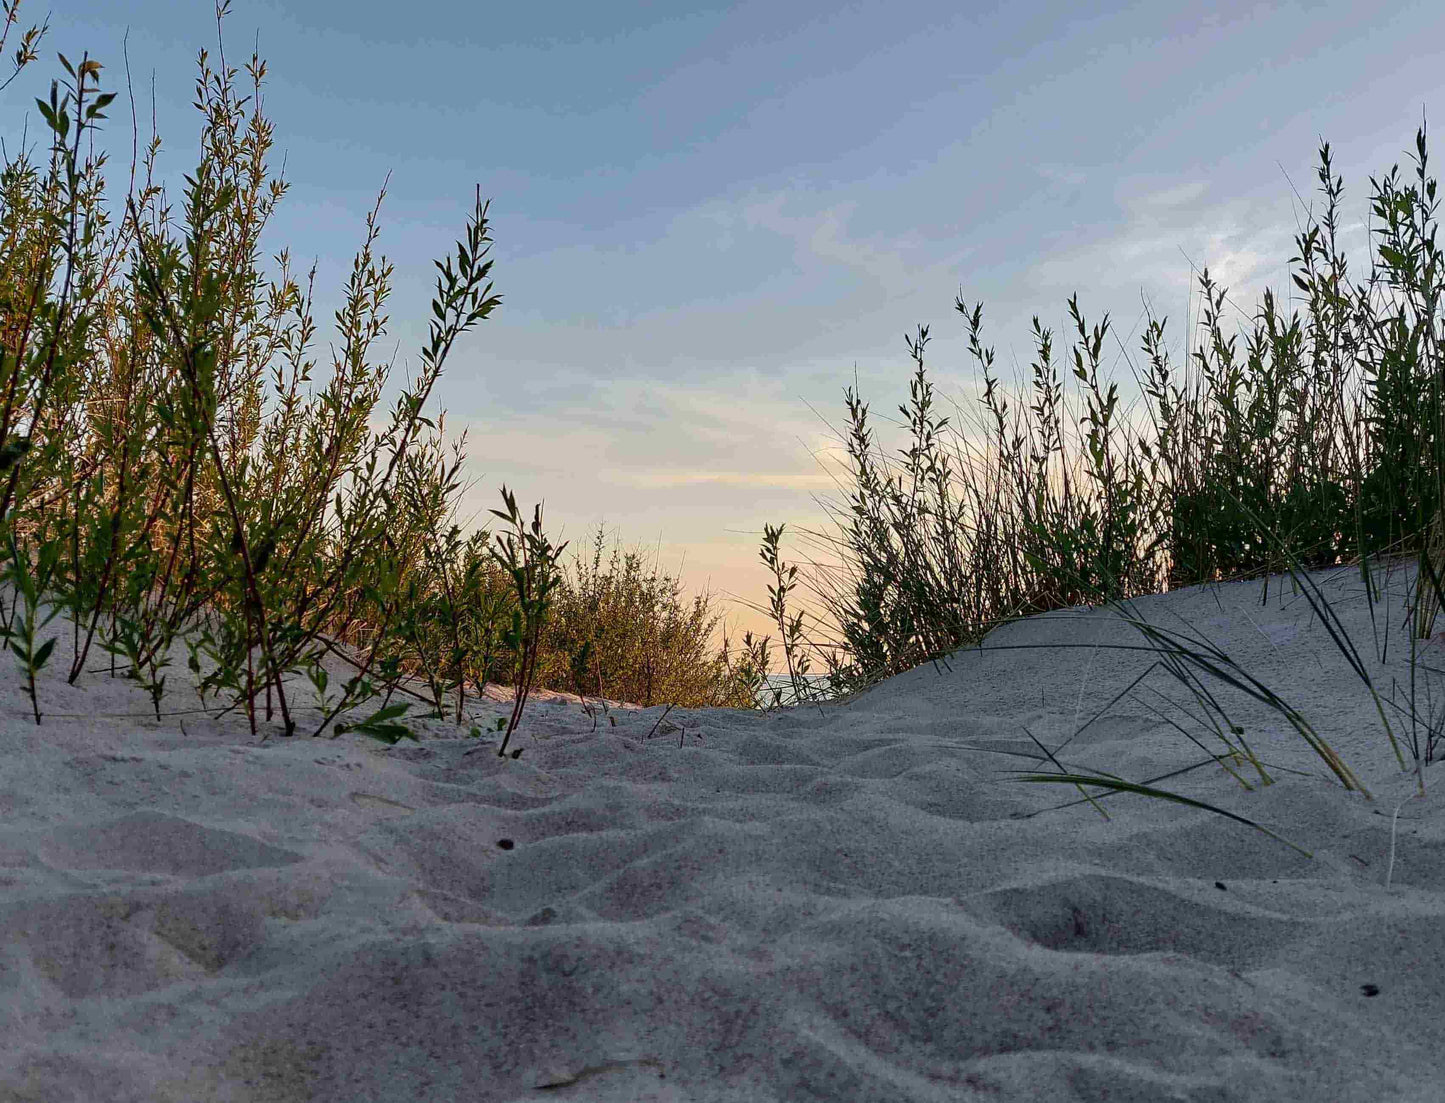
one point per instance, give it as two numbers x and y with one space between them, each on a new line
169 463
169 472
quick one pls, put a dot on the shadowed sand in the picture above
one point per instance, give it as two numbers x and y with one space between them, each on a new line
845 902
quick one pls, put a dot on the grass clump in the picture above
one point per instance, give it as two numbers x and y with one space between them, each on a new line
1265 466
171 472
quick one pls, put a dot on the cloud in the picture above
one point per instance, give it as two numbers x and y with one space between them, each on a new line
890 265
1069 175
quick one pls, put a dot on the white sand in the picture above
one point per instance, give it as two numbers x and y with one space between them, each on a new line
835 905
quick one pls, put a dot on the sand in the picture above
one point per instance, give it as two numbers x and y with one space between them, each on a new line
845 903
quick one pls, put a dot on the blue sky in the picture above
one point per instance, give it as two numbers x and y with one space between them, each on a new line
707 218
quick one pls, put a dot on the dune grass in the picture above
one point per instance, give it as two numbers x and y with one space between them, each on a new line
1268 470
169 474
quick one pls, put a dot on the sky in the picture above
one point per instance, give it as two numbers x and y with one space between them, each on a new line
710 220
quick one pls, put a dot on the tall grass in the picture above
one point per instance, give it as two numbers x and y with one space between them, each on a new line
169 471
168 462
1260 467
1253 464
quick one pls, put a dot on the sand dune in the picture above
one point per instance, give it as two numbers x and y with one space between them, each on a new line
837 902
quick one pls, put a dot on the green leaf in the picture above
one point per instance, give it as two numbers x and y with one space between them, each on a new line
1393 256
